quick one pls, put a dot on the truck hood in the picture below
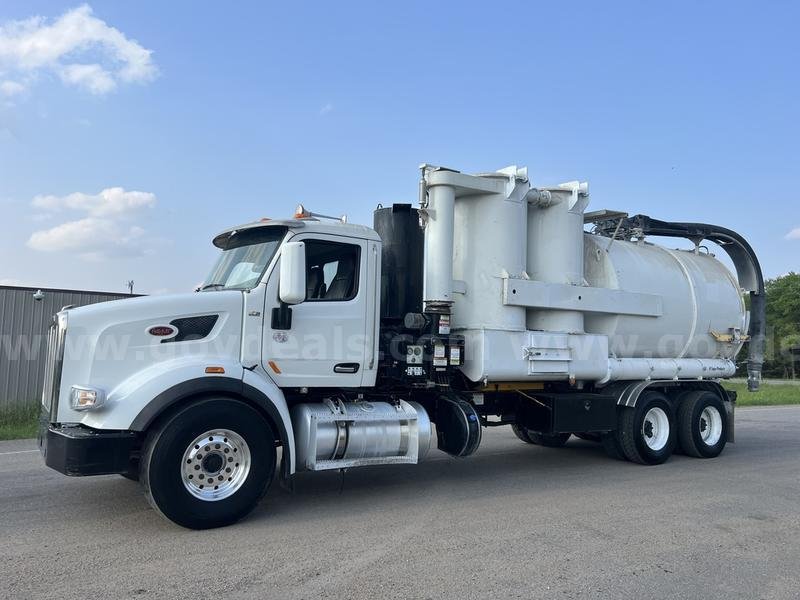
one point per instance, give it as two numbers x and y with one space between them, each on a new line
169 305
113 346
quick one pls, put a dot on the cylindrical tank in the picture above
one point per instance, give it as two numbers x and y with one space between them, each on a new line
555 251
699 297
490 242
335 435
438 277
401 260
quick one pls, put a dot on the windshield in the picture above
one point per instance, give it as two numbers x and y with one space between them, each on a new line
245 256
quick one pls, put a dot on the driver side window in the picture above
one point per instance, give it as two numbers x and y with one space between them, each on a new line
331 271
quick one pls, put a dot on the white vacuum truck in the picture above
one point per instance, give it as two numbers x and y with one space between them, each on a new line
494 303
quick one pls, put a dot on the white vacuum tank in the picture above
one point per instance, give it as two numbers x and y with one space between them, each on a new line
537 297
699 297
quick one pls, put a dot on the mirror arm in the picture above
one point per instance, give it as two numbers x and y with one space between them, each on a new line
282 317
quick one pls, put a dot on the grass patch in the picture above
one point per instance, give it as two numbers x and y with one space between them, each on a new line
19 423
769 394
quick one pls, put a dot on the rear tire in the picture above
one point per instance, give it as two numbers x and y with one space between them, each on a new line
702 424
521 433
209 464
612 446
550 440
646 432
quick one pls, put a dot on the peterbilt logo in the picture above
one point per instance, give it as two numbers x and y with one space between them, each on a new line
162 330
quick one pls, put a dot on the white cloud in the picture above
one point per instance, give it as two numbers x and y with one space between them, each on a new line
107 230
10 88
91 238
33 45
325 109
110 202
93 77
794 234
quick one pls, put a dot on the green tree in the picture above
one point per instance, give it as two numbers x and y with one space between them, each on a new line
783 325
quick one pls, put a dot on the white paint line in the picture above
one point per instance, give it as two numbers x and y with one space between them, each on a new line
775 408
17 452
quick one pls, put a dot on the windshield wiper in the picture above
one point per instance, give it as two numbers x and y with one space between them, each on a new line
209 286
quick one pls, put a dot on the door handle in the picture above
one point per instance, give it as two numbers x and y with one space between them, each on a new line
346 368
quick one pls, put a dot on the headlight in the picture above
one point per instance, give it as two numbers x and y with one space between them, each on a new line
82 397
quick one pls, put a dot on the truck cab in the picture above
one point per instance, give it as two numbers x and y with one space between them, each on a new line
288 305
322 333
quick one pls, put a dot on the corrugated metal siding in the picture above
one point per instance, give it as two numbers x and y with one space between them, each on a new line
23 338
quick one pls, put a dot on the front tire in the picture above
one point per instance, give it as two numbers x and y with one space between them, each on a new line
646 432
209 464
702 424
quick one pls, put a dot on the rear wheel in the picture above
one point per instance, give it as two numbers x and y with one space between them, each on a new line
611 445
209 464
551 440
702 424
521 433
646 432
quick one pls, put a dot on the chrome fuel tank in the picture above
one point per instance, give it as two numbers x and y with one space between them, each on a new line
337 435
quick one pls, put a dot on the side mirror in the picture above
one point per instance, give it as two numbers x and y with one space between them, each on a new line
293 273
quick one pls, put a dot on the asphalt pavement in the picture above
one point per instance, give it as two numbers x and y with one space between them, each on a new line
512 521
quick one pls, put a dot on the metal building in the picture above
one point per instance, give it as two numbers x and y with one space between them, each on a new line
25 315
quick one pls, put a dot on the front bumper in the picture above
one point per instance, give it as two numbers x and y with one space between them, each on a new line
78 450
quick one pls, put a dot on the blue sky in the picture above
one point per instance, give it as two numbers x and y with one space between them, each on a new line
683 111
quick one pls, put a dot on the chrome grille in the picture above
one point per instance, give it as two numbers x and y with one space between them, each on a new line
52 367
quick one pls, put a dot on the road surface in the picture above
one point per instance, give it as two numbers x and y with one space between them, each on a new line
513 521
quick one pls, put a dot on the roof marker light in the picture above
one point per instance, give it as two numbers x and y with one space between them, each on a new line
301 212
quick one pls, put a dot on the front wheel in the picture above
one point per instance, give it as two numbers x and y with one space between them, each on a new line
209 464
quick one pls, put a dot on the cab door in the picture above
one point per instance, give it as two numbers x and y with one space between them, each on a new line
326 343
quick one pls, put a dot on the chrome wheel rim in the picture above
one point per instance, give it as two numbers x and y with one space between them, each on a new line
215 465
655 428
710 425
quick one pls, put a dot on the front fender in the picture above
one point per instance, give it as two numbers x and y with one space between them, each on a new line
134 403
263 393
139 400
270 397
